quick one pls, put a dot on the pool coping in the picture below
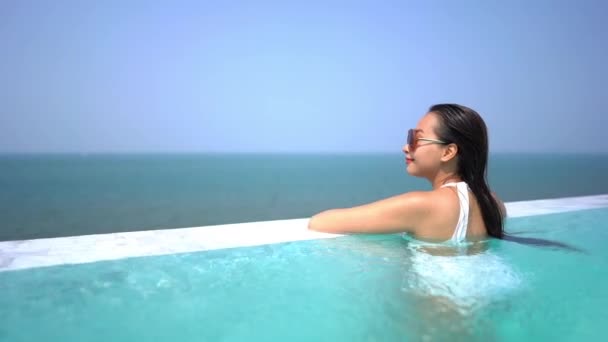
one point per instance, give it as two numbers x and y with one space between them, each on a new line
24 254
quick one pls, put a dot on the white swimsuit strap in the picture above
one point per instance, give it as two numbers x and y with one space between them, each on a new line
463 218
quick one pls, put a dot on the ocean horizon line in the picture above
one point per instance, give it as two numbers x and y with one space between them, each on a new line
263 153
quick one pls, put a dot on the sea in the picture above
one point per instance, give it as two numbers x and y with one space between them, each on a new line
55 195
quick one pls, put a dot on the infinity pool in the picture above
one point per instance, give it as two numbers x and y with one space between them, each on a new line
349 288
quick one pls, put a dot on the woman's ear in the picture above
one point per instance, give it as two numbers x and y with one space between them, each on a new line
449 152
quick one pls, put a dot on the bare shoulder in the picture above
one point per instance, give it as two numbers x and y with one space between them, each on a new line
443 198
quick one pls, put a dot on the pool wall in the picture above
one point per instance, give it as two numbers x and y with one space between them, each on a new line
23 254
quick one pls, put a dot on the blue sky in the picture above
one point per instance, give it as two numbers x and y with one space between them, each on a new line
310 76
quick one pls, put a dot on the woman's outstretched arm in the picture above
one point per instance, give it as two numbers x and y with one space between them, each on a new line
395 214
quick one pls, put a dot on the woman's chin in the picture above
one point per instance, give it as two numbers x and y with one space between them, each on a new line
412 171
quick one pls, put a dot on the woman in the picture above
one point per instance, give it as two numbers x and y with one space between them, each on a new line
449 147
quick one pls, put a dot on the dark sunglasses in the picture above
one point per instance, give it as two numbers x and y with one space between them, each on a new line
413 142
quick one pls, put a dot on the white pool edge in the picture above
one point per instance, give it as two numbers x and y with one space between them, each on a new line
23 254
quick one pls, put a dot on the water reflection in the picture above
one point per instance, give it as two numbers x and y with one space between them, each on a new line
461 277
451 283
439 288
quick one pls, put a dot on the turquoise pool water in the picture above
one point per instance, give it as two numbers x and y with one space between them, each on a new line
356 288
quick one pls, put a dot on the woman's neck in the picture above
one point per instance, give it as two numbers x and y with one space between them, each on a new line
442 179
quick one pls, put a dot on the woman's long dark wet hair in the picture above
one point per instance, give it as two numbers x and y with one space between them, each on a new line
464 127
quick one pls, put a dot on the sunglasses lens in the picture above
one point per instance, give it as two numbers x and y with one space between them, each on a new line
410 139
